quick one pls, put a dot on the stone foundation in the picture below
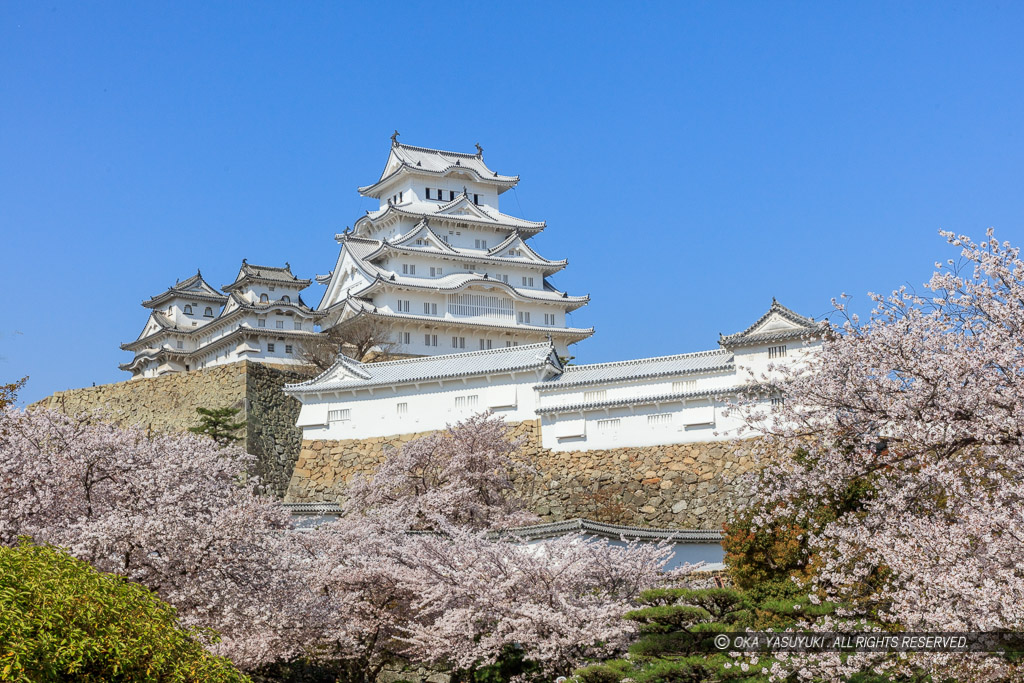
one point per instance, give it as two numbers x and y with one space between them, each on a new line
694 485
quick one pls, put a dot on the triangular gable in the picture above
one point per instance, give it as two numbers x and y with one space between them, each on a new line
196 283
424 232
462 206
777 322
516 242
155 323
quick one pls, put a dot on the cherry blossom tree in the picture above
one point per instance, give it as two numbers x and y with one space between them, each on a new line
921 409
416 569
462 476
168 511
426 571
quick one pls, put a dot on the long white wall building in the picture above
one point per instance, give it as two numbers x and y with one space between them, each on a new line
647 401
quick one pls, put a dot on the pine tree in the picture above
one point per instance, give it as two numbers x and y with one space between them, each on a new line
217 424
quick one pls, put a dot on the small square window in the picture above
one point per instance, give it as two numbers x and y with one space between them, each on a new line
279 324
270 347
261 323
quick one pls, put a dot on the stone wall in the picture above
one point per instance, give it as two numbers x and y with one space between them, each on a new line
691 485
169 403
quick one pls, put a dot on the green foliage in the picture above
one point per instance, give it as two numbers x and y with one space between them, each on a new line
217 424
9 392
773 562
62 620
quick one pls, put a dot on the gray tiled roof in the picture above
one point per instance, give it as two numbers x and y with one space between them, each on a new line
554 529
361 307
662 366
492 361
431 211
802 327
194 287
249 271
673 397
438 162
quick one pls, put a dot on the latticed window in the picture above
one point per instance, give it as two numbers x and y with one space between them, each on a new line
684 385
591 396
339 415
609 424
776 352
659 420
480 306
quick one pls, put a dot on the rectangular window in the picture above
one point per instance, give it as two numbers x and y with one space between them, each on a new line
549 318
435 272
402 409
777 401
776 352
527 282
279 324
404 306
659 420
524 317
608 424
593 396
270 347
503 278
684 385
485 343
287 348
261 323
298 325
428 193
451 195
339 415
430 340
405 337
476 199
481 244
181 344
429 309
408 269
400 195
458 342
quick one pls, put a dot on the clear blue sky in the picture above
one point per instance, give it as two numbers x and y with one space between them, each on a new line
692 159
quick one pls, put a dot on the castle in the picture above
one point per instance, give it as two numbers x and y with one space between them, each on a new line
260 316
462 295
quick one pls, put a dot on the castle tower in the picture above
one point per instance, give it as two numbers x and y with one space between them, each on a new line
441 268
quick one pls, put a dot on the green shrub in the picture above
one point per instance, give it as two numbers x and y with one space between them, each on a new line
62 620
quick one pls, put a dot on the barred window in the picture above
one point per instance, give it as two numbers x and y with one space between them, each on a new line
597 395
608 424
480 305
339 415
776 352
684 385
660 419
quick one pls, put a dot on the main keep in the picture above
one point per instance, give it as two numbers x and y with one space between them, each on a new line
442 267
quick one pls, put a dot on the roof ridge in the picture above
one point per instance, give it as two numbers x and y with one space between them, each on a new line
636 361
464 354
465 155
